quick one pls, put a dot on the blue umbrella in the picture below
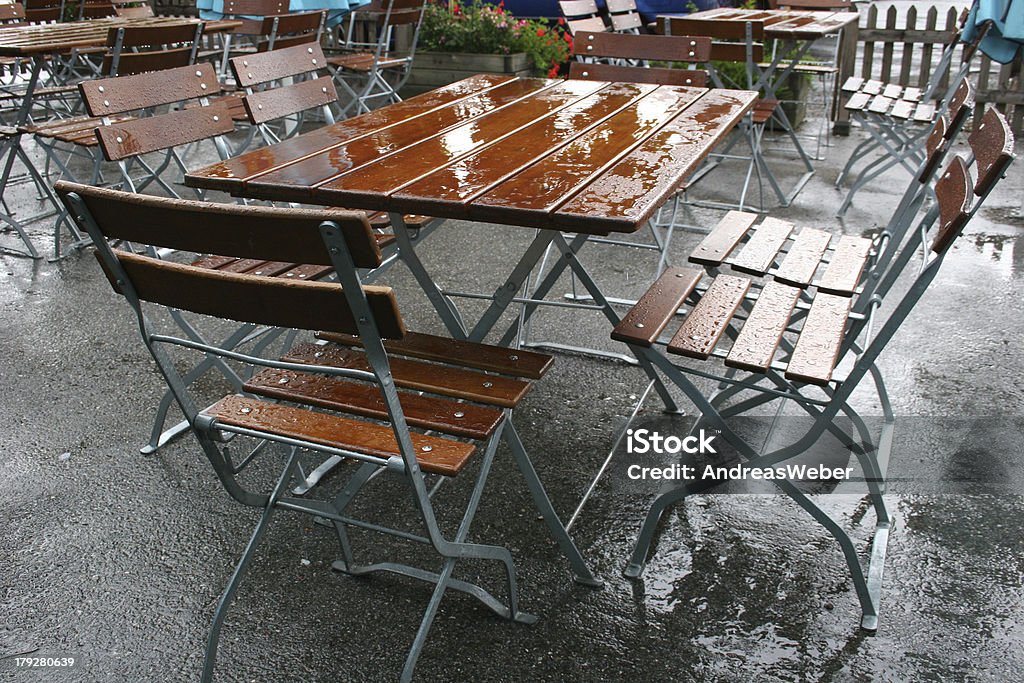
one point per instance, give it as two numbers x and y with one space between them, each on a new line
214 9
1006 31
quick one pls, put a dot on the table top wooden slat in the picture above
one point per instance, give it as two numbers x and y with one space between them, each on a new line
31 39
778 23
306 177
526 152
231 174
629 192
471 176
392 173
542 187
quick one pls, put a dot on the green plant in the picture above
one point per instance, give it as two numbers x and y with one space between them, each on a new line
476 27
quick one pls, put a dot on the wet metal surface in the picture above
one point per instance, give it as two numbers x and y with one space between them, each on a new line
117 559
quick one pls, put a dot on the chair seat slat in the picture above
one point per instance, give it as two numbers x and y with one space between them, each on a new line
445 456
759 252
803 258
848 261
817 348
649 316
754 348
723 238
705 324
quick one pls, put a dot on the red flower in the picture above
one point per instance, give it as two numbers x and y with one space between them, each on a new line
561 21
554 72
541 32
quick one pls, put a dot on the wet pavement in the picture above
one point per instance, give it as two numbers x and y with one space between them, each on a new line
117 559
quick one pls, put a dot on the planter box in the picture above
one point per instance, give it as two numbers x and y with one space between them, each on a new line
433 69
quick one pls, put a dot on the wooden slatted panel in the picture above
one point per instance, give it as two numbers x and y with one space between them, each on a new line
759 252
425 412
847 264
410 374
232 173
514 362
754 348
803 258
653 311
707 321
391 173
476 173
723 238
629 192
446 456
817 349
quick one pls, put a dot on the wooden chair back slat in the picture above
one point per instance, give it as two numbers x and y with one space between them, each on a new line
134 12
626 22
296 22
626 46
154 36
277 103
273 233
638 74
258 300
577 8
992 144
255 8
960 106
721 29
133 63
255 69
154 133
953 191
736 52
96 10
108 96
935 146
289 41
588 24
12 12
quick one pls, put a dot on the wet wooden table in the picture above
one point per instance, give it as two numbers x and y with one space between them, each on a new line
799 27
582 157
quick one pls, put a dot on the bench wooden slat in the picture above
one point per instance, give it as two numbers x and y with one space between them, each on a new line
723 238
513 362
754 348
307 271
707 321
496 390
803 258
328 164
817 349
848 261
425 412
445 456
759 252
653 311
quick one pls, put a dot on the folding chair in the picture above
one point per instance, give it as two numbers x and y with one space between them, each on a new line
811 348
132 9
272 94
318 398
743 42
582 15
266 25
624 16
898 118
370 70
